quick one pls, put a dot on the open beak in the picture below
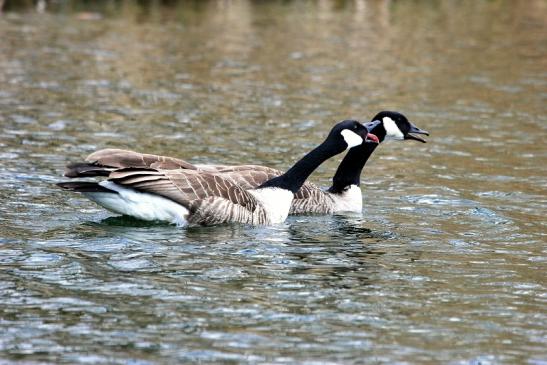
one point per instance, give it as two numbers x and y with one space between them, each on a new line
371 137
416 130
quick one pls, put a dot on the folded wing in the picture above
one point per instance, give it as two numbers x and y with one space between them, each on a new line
209 197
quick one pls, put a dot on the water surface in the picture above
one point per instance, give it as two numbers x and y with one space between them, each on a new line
446 264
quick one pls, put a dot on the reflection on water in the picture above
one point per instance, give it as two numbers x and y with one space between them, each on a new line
446 265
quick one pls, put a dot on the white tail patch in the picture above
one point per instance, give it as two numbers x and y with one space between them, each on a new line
392 131
352 139
143 206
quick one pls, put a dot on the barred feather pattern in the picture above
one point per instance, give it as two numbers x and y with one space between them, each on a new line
103 162
309 199
210 198
112 157
313 200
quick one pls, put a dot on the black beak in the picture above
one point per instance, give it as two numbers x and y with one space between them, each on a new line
371 125
416 130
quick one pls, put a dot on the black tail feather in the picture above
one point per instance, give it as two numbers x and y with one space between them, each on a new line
83 169
84 187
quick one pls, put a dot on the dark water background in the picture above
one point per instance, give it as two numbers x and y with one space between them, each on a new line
447 265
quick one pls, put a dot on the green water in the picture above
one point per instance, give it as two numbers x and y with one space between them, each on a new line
445 266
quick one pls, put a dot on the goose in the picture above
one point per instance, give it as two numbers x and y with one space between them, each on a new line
186 196
343 196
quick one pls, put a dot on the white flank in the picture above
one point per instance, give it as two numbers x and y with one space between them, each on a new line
143 206
276 202
351 138
392 131
351 200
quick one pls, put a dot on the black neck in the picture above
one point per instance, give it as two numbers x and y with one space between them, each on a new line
295 177
349 171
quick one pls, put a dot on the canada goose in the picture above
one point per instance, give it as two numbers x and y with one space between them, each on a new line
192 196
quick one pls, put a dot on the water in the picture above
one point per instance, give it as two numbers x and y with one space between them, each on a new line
446 265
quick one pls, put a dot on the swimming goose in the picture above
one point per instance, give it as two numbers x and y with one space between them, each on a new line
192 196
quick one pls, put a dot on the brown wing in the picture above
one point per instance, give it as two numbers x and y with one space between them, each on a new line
103 162
112 157
209 197
248 176
311 199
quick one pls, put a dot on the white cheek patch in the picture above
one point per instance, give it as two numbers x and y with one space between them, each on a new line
352 139
392 131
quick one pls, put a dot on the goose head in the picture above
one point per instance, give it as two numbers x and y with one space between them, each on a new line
350 133
389 125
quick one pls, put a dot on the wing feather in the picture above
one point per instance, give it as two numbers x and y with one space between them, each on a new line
118 158
208 196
